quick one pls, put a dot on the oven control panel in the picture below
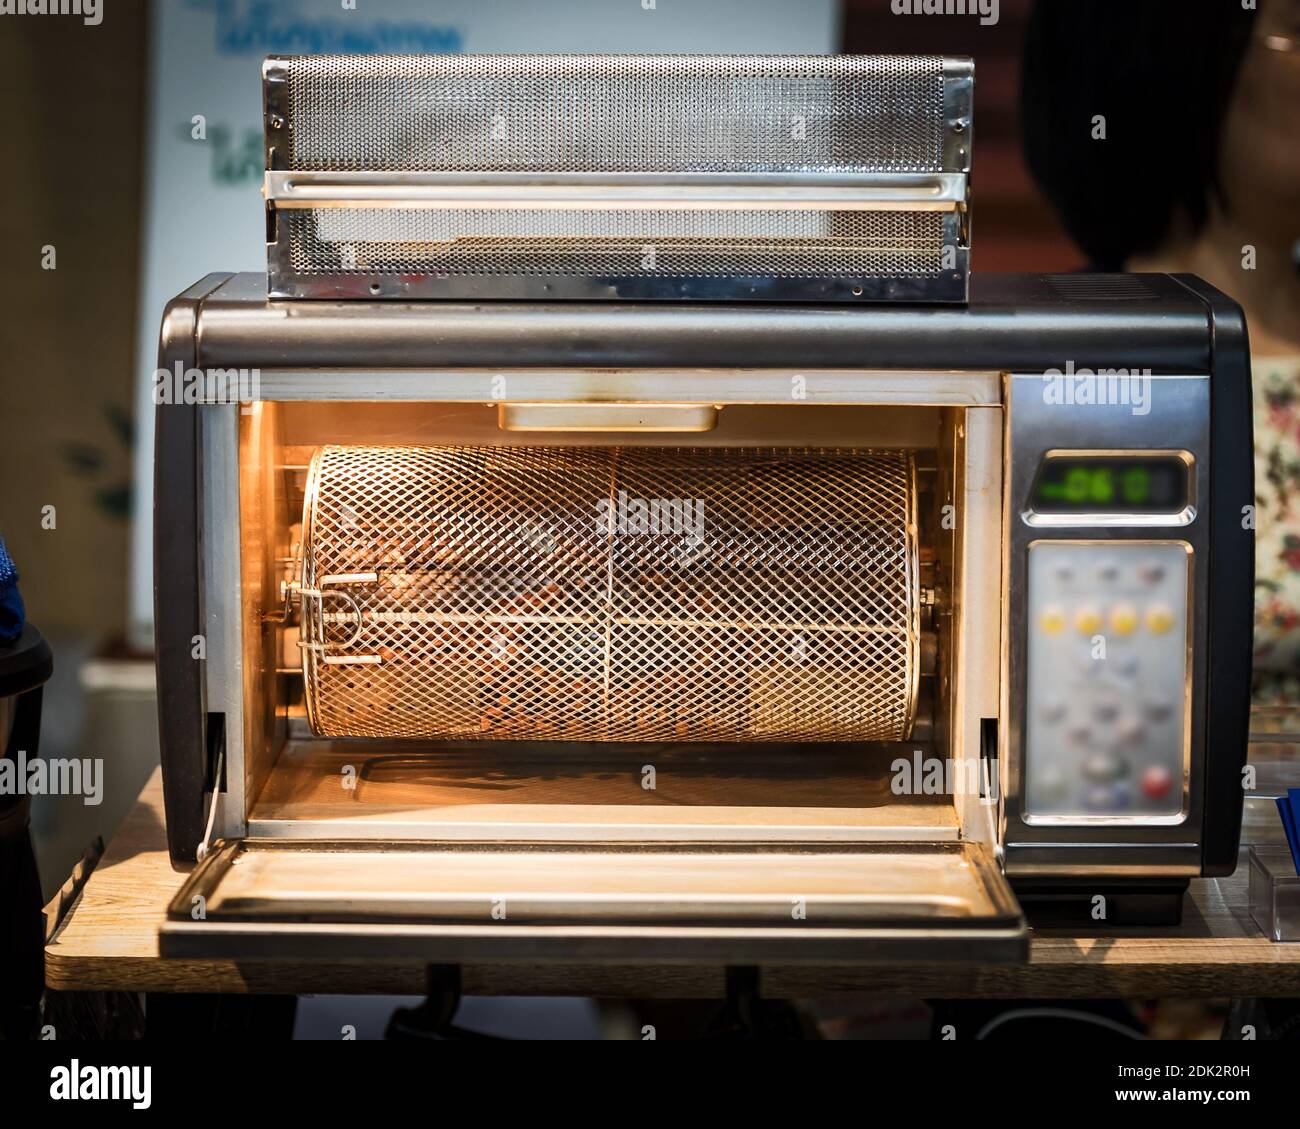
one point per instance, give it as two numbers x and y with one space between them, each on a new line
1106 709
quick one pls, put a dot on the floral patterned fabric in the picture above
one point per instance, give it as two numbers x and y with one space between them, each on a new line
1277 530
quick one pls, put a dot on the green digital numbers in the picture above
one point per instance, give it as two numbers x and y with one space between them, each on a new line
1097 484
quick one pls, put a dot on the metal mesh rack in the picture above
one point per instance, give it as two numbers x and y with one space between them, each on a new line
610 594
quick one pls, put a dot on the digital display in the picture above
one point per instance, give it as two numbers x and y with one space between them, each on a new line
1103 484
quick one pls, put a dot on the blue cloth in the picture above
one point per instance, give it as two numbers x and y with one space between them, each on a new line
1288 807
12 613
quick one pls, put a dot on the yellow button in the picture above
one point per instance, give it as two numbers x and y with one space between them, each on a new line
1160 619
1052 621
1087 621
1124 619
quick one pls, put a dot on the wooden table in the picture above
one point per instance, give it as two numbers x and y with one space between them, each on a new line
109 942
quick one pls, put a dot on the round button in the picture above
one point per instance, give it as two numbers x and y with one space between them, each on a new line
1160 619
1158 710
1079 734
1104 766
1087 667
1131 732
1097 799
1157 782
1124 619
1105 712
1052 621
1050 785
1107 798
1087 621
1053 711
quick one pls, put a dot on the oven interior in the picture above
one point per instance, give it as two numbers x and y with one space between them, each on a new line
827 778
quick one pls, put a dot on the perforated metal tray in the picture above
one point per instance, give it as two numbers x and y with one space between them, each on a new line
618 176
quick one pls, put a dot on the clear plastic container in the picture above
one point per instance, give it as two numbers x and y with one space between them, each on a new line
1275 893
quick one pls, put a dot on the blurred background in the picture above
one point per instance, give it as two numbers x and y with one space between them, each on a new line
131 165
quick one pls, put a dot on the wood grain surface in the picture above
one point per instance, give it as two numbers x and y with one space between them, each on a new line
109 941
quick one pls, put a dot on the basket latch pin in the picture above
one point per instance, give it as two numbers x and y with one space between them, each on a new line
334 587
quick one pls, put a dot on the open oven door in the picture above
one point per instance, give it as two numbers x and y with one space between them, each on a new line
450 903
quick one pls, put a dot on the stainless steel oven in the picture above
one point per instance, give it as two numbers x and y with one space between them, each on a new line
607 616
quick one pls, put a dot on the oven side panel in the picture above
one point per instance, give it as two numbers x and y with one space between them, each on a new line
1231 610
178 591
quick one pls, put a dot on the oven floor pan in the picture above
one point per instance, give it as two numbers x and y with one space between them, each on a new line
321 789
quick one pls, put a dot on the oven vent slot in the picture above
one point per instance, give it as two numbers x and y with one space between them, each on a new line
1101 287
